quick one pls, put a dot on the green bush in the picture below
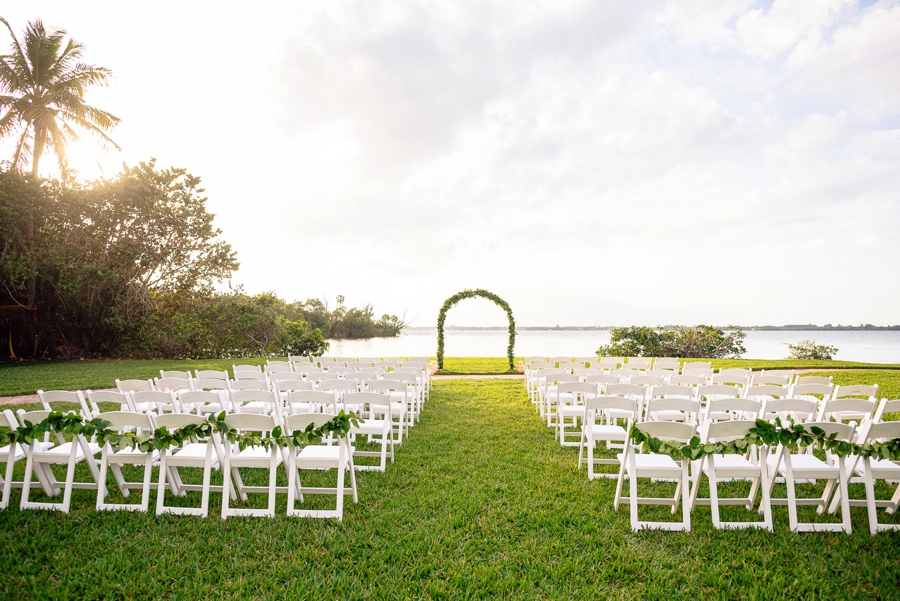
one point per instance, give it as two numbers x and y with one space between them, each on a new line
679 341
808 349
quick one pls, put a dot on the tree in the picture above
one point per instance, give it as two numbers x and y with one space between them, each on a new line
680 341
42 88
103 252
808 349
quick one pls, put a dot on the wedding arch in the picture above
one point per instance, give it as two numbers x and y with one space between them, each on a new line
451 302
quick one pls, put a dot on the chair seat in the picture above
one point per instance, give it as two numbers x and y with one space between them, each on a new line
192 453
320 456
369 426
20 452
131 453
253 452
808 466
570 410
657 465
60 453
604 432
883 468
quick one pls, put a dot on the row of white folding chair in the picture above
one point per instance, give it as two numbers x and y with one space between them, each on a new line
629 403
208 454
758 467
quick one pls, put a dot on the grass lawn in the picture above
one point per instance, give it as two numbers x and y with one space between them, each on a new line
481 503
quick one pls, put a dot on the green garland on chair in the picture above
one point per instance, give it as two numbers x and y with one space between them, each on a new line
771 434
451 302
73 424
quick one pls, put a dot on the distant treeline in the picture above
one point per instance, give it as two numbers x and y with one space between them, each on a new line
794 328
128 267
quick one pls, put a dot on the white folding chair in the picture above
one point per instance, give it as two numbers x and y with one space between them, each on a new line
211 374
731 409
174 373
311 401
9 455
261 402
690 366
250 457
667 363
40 456
173 384
203 453
134 385
157 401
408 391
850 403
370 405
95 397
880 469
121 421
570 405
550 395
319 457
65 401
598 427
659 467
672 403
806 466
397 393
251 384
729 467
203 402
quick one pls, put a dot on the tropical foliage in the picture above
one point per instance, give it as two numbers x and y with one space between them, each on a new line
42 86
127 266
451 302
679 341
808 349
342 322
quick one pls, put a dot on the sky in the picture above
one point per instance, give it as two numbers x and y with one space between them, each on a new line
593 163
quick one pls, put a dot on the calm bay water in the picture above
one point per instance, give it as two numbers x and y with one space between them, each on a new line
857 345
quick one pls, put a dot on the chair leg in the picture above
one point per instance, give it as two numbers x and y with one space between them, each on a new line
226 482
7 482
766 492
845 496
145 490
633 489
342 463
101 483
207 469
70 480
685 505
791 495
618 496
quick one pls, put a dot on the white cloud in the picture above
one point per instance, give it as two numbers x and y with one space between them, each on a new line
592 162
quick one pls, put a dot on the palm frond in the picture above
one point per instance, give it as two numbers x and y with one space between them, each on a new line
20 56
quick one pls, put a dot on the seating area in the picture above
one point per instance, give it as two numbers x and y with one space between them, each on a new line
288 396
597 401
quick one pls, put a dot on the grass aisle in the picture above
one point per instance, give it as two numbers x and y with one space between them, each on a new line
482 503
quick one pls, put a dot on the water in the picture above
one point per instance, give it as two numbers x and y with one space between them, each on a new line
853 345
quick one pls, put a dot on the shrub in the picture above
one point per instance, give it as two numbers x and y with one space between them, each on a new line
679 341
808 349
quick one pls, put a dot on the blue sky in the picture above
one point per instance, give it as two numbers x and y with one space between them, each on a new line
591 162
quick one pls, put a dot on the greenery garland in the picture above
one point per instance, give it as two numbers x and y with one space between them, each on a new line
766 433
451 302
71 423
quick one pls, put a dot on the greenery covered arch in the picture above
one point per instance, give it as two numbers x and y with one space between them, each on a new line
451 302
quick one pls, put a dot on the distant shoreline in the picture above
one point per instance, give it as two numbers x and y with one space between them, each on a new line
788 328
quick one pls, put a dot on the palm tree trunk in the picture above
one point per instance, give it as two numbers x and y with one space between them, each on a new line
29 225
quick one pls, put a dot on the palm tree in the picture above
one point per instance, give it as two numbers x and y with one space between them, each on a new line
42 87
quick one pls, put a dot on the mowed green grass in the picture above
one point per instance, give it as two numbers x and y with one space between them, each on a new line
481 503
